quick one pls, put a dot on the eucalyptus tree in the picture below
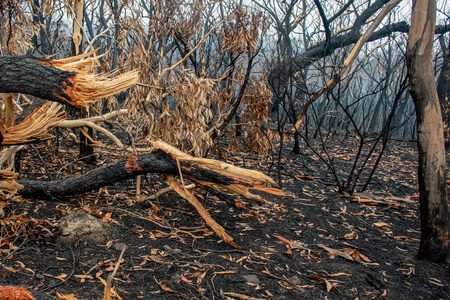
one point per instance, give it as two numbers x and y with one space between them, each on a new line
443 85
434 203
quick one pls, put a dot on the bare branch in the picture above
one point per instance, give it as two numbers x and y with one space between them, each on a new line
348 62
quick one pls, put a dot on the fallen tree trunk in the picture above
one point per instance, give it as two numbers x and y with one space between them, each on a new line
153 162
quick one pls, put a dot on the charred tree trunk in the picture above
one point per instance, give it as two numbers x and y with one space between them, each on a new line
154 162
37 77
158 162
86 148
50 80
443 90
434 214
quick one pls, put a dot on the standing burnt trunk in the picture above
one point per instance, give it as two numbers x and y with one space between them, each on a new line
434 214
443 89
86 147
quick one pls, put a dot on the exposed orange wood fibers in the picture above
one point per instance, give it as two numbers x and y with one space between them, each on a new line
131 164
69 90
15 293
44 63
188 169
57 63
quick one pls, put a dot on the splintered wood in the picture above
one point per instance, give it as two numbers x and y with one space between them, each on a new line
87 87
241 181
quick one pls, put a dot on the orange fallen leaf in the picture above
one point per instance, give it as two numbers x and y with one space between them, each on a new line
335 252
184 279
350 245
164 287
364 258
238 204
406 238
350 236
241 259
4 242
304 177
321 280
201 277
380 224
339 274
241 296
362 200
358 214
65 297
107 217
225 272
284 239
83 276
289 251
353 253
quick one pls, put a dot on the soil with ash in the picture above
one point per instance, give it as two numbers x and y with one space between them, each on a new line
314 243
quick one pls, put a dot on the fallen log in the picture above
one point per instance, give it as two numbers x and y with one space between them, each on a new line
153 162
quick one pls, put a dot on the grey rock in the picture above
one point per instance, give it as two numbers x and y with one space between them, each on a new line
295 280
251 278
82 226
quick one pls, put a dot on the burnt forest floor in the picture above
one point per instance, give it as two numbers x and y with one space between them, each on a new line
314 243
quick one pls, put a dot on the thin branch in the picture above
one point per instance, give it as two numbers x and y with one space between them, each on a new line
326 23
340 12
348 62
192 51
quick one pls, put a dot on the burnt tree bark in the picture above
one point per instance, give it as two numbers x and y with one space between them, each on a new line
156 162
153 162
434 213
443 89
37 77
